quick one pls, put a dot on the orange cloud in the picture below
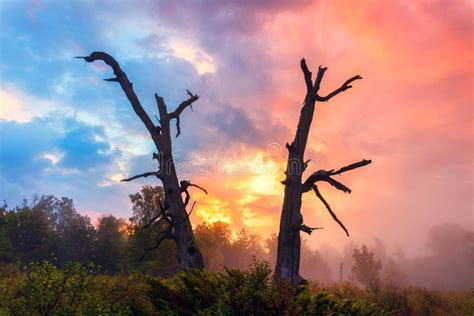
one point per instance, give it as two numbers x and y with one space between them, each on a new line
412 114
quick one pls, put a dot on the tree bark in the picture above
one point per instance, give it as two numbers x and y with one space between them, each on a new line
291 220
174 209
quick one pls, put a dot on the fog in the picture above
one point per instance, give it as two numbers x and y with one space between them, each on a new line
446 264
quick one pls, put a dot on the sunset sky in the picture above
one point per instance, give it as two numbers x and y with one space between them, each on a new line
64 131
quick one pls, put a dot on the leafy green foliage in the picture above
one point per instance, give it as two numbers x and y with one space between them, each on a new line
366 268
220 250
110 244
249 292
31 233
144 229
50 229
7 251
43 289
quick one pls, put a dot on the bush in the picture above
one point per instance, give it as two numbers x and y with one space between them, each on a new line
407 300
248 292
43 289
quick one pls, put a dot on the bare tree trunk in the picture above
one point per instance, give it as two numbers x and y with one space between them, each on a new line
291 221
174 209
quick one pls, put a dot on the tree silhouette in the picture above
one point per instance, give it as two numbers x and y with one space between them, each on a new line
110 244
366 268
173 209
291 220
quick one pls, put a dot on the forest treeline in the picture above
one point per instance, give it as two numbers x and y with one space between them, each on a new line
50 229
54 260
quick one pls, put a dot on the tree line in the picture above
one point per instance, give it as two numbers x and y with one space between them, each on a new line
50 229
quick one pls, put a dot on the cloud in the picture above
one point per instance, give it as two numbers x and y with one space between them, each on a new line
12 108
42 156
21 148
16 105
234 123
27 149
412 113
83 147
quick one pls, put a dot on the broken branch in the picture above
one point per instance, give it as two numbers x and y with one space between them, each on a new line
355 165
328 207
319 78
176 113
197 186
346 85
143 175
126 85
308 229
324 175
307 75
338 185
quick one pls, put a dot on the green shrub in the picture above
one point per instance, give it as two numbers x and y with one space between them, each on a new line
248 292
43 289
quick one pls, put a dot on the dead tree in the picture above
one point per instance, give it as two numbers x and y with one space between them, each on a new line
291 221
174 209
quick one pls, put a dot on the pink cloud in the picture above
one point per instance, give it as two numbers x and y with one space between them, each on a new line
412 113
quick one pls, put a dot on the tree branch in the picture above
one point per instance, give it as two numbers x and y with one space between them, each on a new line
187 215
306 163
325 175
163 237
176 113
150 222
354 165
197 186
187 198
308 229
143 175
307 76
184 185
346 85
157 216
328 207
178 128
319 78
184 104
126 85
338 185
313 178
166 234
